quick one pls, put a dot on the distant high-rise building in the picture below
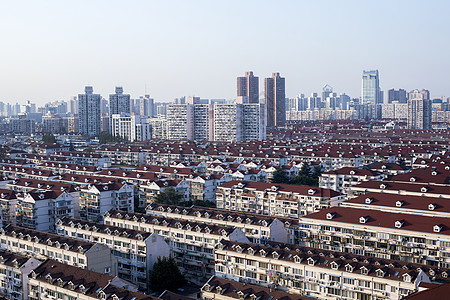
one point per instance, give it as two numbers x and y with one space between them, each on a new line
275 100
130 127
397 95
89 112
146 106
327 90
371 87
419 110
219 122
119 102
314 102
248 86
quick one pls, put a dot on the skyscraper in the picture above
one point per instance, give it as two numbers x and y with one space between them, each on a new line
89 112
371 88
419 110
397 95
119 102
275 99
248 86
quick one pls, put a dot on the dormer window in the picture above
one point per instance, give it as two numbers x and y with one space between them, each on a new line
434 173
382 186
262 253
399 223
251 251
424 190
437 228
399 203
334 265
412 179
330 216
364 271
363 219
368 200
275 255
349 268
431 206
352 172
380 273
311 261
311 191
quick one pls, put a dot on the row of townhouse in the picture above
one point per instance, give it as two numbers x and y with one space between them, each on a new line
257 228
192 243
68 168
383 234
148 181
83 158
53 280
14 171
406 204
400 188
217 288
436 175
120 155
42 245
322 274
341 179
136 251
88 197
273 199
14 270
97 199
36 209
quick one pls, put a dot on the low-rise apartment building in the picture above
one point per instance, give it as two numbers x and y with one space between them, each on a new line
406 204
192 243
321 273
257 228
218 288
40 209
340 180
400 188
386 235
14 270
42 245
275 199
96 199
53 280
136 251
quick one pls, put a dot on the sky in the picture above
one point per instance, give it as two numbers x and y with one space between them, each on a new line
50 50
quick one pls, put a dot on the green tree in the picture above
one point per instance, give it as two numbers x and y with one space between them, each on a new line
165 275
106 137
49 138
317 172
279 176
169 196
305 180
3 152
304 170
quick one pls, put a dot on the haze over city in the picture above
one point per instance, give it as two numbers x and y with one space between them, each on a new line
52 49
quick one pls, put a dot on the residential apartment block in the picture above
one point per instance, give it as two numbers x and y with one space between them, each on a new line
282 200
41 245
257 228
320 273
136 251
53 280
385 235
192 243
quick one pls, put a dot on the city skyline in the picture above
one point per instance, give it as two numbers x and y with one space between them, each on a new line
166 50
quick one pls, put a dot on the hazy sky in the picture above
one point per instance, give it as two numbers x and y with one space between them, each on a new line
51 49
